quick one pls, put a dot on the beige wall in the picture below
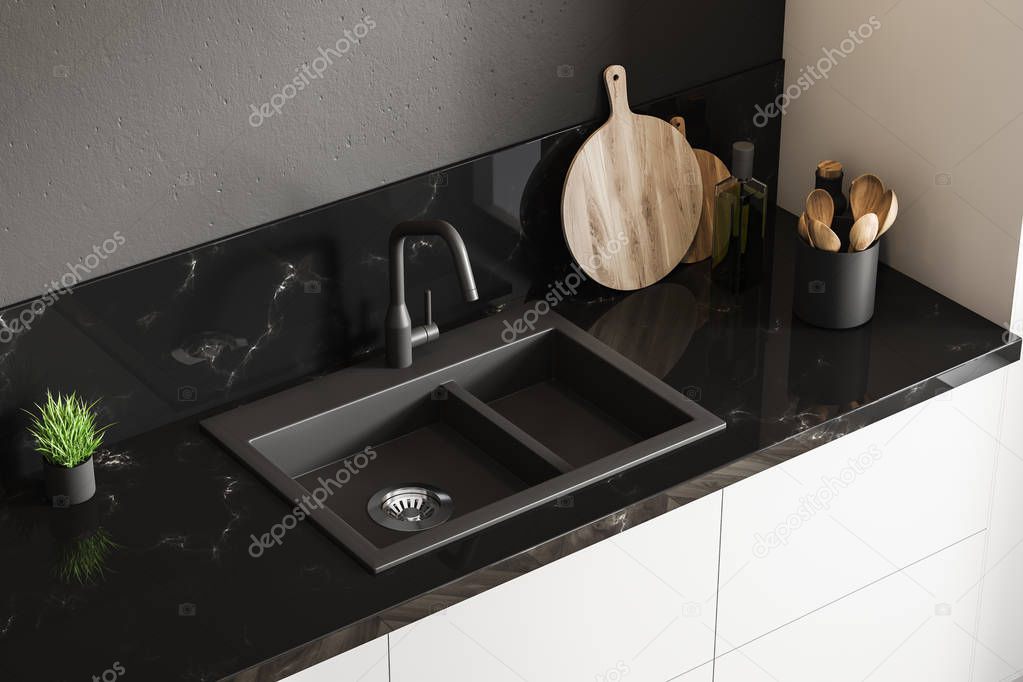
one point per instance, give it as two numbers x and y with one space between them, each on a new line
932 102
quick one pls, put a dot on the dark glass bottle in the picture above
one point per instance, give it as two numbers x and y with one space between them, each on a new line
829 177
740 224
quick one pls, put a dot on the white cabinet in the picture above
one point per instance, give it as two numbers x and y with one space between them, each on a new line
915 625
705 673
810 531
1000 637
366 663
639 606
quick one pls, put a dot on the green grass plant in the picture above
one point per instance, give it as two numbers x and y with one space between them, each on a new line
65 430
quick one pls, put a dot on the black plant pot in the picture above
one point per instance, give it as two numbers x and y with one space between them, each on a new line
835 290
66 487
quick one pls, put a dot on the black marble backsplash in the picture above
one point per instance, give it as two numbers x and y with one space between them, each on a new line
240 317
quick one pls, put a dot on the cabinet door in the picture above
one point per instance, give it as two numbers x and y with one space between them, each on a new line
915 625
639 606
705 673
1000 637
816 528
366 663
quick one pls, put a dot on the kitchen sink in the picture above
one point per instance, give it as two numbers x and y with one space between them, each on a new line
397 462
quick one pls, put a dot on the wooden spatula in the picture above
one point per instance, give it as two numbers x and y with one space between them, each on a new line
633 196
712 171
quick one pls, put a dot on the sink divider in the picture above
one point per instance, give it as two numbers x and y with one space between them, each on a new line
516 450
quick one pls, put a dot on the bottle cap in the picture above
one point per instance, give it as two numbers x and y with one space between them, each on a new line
829 170
742 160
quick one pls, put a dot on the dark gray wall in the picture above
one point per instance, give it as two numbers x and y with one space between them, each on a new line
133 118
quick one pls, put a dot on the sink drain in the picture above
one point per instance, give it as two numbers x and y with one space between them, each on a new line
410 507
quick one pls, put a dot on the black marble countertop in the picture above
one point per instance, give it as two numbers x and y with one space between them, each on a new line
168 590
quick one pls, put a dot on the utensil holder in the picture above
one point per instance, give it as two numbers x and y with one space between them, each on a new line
835 290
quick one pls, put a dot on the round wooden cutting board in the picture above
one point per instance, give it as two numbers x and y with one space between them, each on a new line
712 171
633 196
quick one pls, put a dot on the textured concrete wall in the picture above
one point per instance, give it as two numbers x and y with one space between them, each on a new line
134 117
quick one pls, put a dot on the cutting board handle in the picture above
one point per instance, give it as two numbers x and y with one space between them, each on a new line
617 92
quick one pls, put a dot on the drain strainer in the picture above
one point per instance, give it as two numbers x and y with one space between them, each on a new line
410 507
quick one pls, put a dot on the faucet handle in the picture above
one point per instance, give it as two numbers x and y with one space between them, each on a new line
429 307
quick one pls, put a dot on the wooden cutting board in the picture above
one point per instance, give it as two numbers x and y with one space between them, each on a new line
633 196
712 171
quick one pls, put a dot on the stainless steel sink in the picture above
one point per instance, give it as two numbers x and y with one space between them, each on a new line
476 430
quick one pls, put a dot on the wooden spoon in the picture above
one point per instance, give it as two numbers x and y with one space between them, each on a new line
820 206
824 237
887 211
865 195
804 229
863 233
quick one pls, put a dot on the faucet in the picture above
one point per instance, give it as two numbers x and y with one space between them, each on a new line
401 336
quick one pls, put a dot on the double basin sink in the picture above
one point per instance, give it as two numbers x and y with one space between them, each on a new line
394 463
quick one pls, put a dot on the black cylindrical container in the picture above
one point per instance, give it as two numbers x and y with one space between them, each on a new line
69 486
835 290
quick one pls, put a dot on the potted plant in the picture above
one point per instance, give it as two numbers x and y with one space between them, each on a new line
67 436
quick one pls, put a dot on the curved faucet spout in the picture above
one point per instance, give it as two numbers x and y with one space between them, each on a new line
443 229
400 335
